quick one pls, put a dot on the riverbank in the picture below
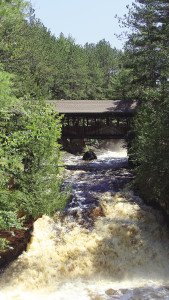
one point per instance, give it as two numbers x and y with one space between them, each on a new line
17 240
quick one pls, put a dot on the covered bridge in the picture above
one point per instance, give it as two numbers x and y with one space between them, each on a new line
98 119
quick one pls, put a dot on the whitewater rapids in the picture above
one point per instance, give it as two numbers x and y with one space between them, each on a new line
125 255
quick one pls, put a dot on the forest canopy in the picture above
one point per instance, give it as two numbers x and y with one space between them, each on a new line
52 67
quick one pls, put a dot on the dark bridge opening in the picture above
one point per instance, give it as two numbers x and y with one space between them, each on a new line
95 127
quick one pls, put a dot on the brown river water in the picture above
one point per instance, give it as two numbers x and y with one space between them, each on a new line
123 255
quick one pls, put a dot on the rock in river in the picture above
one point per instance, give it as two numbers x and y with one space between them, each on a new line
89 155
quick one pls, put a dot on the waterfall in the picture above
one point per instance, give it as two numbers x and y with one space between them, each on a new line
107 245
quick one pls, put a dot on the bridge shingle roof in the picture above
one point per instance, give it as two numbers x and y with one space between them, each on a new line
94 106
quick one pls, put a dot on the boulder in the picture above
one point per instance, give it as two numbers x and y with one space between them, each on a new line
89 155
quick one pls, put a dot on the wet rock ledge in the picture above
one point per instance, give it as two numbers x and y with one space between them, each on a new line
18 240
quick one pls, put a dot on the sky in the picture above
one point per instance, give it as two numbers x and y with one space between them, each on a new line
85 20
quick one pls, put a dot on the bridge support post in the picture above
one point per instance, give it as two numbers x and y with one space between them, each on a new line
108 121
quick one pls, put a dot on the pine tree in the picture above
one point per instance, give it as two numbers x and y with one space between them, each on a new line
147 43
148 52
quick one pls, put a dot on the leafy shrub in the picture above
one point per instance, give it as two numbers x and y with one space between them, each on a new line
29 164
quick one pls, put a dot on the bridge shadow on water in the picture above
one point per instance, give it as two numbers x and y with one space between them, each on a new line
98 165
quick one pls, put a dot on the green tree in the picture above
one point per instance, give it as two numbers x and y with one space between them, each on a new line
27 50
103 64
8 214
29 161
144 65
108 59
147 51
71 73
30 177
94 74
7 98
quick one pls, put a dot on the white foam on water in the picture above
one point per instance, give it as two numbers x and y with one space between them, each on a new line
128 248
125 256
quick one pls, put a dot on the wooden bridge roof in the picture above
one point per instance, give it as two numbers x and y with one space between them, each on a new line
124 107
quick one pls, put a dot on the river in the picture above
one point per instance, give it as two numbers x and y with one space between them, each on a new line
106 245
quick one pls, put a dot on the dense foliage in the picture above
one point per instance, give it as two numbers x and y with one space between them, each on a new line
147 54
30 180
29 162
